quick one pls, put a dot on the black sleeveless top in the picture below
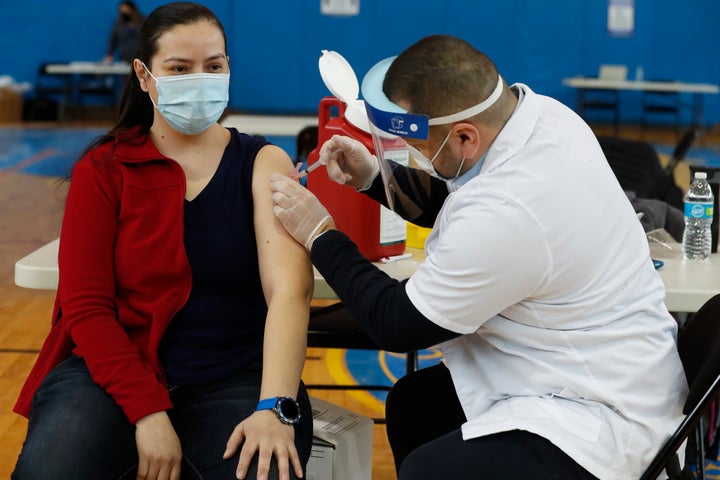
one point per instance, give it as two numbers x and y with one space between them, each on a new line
220 329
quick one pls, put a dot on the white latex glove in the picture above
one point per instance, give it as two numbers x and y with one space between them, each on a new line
300 212
348 162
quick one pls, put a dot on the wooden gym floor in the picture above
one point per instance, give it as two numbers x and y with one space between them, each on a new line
30 216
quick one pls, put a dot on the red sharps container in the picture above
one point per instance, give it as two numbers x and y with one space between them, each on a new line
377 231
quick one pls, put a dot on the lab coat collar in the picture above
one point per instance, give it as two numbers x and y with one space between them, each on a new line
517 131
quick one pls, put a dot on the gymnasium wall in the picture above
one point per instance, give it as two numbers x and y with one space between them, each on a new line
274 44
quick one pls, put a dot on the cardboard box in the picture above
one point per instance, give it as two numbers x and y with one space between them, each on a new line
342 448
320 465
10 105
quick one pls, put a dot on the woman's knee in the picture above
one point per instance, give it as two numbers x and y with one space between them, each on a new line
75 429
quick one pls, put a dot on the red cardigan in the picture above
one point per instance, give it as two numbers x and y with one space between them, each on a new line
123 274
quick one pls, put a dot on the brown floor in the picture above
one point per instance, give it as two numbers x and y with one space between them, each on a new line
30 215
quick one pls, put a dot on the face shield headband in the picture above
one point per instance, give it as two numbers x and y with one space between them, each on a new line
394 120
390 125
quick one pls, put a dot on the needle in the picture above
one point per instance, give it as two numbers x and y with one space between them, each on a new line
309 169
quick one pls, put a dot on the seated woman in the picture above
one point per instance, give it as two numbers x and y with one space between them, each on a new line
179 331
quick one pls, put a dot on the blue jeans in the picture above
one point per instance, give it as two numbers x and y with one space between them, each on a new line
76 430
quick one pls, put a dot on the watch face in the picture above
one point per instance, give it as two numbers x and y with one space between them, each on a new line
288 408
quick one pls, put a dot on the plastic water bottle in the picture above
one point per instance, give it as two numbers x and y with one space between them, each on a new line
697 238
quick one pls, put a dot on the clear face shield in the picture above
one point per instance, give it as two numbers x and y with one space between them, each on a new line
391 125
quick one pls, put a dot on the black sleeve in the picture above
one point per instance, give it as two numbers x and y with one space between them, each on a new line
418 196
378 302
113 40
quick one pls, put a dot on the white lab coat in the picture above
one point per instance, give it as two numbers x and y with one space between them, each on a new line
540 260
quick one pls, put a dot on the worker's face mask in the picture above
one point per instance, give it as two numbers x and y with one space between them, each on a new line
191 103
428 164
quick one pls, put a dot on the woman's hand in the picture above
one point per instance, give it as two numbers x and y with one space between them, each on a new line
159 450
264 434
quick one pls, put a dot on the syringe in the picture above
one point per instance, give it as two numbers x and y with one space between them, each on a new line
309 169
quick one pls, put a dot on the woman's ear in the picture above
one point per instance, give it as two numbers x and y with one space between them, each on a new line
141 74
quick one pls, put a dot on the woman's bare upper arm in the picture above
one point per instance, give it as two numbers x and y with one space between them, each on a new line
284 264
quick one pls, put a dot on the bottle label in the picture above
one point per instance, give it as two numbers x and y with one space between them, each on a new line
698 210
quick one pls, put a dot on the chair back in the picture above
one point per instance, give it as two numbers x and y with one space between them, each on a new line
637 167
681 148
47 83
699 349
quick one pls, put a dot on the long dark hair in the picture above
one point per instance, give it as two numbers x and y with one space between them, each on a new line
132 6
136 109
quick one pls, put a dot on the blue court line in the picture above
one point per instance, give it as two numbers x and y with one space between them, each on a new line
371 367
39 151
53 151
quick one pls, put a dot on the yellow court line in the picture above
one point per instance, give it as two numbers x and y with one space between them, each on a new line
336 361
435 353
384 366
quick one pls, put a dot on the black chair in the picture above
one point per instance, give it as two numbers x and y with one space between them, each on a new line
604 100
681 148
699 348
52 95
661 108
637 167
607 101
334 327
98 89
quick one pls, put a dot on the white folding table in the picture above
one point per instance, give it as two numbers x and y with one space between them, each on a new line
688 285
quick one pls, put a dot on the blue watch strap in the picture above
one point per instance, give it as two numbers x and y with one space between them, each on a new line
267 404
288 417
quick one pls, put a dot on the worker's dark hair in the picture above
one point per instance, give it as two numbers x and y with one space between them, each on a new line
441 75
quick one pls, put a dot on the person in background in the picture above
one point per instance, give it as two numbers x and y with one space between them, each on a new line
179 332
559 355
125 33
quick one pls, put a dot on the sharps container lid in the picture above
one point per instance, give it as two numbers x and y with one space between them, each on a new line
339 77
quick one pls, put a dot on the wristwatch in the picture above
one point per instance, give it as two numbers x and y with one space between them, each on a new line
286 409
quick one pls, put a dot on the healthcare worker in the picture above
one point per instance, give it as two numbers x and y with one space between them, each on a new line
559 356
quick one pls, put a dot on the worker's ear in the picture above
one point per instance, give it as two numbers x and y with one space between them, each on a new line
469 137
141 74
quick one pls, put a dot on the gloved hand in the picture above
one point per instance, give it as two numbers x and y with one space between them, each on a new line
300 212
347 161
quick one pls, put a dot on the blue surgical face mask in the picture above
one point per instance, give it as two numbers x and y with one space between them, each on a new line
191 103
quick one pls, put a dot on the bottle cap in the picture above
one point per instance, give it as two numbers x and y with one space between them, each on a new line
701 175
